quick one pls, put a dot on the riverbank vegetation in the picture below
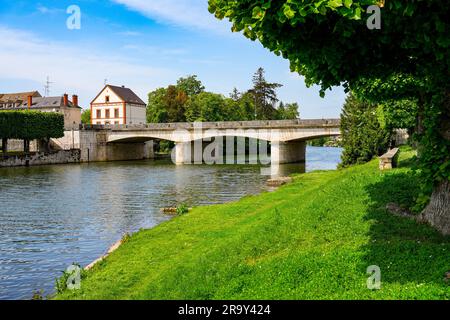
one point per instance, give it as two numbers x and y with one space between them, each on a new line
311 239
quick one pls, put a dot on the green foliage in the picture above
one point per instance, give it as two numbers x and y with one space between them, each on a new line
290 111
86 116
188 101
312 239
31 125
328 42
363 136
206 106
324 142
399 114
175 102
156 109
182 209
190 85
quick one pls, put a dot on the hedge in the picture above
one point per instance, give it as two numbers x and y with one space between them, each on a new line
31 125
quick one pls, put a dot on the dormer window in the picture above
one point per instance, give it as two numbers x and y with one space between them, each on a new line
107 99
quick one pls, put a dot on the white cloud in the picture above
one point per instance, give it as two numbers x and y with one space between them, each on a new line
185 13
28 58
45 10
129 33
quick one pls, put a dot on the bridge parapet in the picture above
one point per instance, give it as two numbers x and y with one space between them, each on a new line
269 124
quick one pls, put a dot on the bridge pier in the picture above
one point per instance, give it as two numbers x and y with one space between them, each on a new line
288 152
182 153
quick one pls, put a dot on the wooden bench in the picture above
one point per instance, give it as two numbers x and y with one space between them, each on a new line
389 159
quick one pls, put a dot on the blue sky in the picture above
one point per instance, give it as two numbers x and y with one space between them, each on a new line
142 44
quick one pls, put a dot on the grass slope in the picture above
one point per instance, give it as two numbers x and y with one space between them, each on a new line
312 239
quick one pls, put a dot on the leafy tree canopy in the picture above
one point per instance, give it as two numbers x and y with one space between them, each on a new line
329 43
190 85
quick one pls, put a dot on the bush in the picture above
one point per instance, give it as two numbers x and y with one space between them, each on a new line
31 125
182 209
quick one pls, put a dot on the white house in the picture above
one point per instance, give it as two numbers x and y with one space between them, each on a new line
118 105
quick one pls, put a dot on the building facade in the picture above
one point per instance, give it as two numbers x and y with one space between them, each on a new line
118 106
34 101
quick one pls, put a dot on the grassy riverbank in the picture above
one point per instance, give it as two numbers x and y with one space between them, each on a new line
312 239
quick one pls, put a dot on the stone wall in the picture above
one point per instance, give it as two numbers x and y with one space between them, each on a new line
17 145
40 158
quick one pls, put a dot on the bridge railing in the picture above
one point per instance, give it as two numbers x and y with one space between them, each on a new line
269 124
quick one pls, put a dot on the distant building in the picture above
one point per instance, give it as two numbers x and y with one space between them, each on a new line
118 105
34 101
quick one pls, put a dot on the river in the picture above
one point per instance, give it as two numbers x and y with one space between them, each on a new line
53 216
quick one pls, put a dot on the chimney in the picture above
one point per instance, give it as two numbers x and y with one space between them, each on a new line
30 101
66 99
75 100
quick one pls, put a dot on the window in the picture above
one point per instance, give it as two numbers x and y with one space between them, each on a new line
107 123
107 99
107 114
116 122
99 114
98 122
116 113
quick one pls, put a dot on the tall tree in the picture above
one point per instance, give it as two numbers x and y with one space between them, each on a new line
235 95
334 42
265 96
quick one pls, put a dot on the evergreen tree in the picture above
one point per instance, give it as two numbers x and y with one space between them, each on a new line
363 136
265 96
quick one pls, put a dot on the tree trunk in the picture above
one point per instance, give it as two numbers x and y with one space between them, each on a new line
26 146
437 213
4 146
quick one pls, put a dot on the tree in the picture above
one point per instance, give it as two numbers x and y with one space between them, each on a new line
330 44
156 108
363 136
190 85
86 116
265 96
206 106
235 95
175 101
30 125
290 111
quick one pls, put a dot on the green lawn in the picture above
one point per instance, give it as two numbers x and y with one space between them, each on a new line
312 239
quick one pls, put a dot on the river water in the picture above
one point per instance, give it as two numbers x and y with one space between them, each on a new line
53 216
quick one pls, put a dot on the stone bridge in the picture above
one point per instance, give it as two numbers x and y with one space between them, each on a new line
287 137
